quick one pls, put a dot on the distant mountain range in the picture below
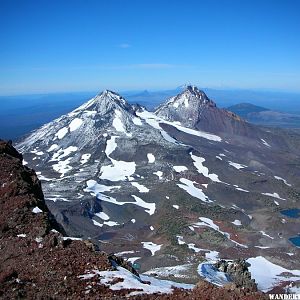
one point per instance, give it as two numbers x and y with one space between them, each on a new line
21 114
264 116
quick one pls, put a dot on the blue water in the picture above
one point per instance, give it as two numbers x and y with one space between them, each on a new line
292 213
295 241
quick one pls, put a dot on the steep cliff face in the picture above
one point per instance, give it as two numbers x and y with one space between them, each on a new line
37 262
23 209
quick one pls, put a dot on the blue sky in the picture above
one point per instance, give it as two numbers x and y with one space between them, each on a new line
51 46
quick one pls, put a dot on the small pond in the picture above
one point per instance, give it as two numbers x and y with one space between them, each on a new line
291 213
295 241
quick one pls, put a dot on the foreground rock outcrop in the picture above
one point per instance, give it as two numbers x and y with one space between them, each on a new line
238 272
38 262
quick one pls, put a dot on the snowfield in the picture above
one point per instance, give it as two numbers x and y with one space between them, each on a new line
117 122
97 190
130 281
118 170
267 274
154 121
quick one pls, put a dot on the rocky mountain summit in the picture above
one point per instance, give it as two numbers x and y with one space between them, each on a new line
39 262
193 109
169 195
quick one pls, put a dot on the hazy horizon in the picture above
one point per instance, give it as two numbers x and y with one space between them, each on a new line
59 46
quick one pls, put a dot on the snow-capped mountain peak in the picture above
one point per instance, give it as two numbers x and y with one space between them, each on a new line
103 103
193 109
186 106
107 111
191 97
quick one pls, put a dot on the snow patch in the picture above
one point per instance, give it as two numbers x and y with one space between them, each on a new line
97 223
37 210
140 187
189 187
198 163
97 190
85 158
274 195
159 174
61 133
75 124
132 260
151 158
237 223
151 247
118 170
263 233
52 148
265 143
111 223
62 167
285 182
102 215
62 153
149 207
117 122
130 281
179 169
22 235
237 165
241 190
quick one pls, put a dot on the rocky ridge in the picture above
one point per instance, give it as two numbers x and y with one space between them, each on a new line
238 272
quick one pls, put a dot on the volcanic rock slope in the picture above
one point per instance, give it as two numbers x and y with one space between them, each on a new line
173 186
38 262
